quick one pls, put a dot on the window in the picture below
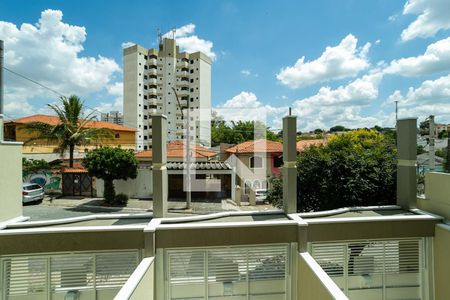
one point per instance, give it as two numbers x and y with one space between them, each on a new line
277 161
192 80
256 162
145 147
192 71
117 135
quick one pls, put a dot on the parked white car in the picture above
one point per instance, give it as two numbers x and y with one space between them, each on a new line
261 194
32 192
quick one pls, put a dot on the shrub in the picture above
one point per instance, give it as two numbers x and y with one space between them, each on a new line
121 199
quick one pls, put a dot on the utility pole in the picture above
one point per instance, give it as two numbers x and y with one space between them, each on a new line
431 147
396 112
1 90
189 152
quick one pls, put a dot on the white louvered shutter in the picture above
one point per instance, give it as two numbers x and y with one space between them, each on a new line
113 269
25 276
373 269
228 273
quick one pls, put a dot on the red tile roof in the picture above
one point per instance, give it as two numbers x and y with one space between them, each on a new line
54 120
303 144
175 149
261 145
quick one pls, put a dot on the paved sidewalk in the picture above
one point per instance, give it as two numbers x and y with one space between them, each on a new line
142 205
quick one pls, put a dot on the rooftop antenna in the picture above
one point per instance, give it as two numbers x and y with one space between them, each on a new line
159 34
174 30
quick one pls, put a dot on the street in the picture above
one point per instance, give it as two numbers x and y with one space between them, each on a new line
40 212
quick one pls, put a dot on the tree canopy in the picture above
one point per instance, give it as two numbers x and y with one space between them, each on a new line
109 164
236 132
352 169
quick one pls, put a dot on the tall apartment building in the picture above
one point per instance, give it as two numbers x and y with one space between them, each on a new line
150 77
115 117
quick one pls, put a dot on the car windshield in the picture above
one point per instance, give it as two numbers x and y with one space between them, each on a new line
31 187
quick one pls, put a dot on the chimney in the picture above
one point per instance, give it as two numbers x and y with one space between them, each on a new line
290 164
406 163
159 149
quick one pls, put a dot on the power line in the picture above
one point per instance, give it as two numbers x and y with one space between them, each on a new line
87 106
34 81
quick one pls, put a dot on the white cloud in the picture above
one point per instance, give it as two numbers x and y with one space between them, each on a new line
393 18
246 106
341 61
246 73
49 52
433 16
127 44
339 106
431 97
436 58
189 42
115 90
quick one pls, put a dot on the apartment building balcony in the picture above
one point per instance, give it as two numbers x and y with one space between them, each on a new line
152 81
183 64
152 91
182 74
152 111
152 72
152 61
183 92
153 102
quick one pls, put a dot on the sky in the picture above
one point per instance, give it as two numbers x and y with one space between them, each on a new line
333 62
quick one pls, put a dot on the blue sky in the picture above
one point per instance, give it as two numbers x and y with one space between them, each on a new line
359 56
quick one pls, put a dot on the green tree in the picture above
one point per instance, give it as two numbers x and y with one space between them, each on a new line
72 129
420 149
443 134
355 168
318 131
109 164
236 132
275 192
338 128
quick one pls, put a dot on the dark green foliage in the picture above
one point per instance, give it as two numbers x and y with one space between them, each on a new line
110 164
338 128
275 192
121 199
318 131
236 132
420 149
354 169
443 134
33 165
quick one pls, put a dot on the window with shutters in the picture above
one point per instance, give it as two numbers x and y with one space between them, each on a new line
54 276
227 273
374 269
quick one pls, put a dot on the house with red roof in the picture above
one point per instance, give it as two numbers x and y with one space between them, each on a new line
256 162
15 131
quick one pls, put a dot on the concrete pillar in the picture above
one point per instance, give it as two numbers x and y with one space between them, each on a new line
406 163
160 185
238 195
233 184
252 197
290 164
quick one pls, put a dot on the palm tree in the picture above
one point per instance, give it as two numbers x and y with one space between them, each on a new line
72 129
